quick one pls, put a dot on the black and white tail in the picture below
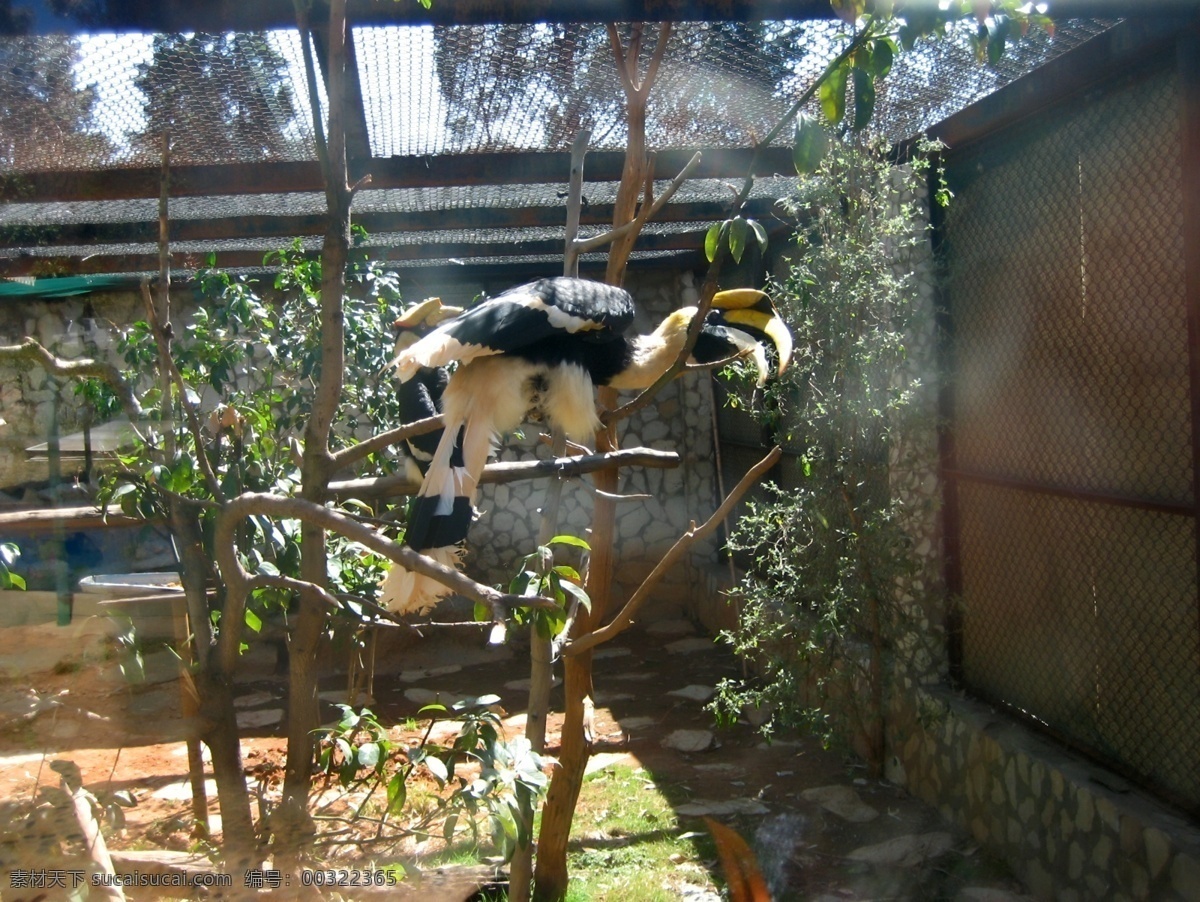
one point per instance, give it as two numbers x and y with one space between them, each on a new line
478 406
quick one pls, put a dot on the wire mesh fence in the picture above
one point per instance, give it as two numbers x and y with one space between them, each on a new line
1073 432
87 102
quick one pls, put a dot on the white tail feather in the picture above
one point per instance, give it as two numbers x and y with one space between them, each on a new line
406 592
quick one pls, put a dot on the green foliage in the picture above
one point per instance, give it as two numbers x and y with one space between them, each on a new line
539 575
831 549
887 27
810 144
249 357
359 751
9 553
734 233
358 742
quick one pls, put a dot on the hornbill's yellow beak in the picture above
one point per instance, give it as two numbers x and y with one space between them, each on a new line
751 311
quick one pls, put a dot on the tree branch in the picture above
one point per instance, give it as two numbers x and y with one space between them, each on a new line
575 202
656 58
340 460
240 582
162 339
624 619
648 210
504 472
30 350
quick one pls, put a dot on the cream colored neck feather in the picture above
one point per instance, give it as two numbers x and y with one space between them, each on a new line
654 353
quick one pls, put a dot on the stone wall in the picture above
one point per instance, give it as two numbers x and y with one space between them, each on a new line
27 393
1071 830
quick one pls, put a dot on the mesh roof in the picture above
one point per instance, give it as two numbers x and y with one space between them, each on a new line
74 104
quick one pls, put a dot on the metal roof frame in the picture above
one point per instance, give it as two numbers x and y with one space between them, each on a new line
430 237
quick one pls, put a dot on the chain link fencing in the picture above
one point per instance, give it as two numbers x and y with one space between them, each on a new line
1072 429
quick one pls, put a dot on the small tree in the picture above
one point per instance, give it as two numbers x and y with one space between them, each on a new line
832 552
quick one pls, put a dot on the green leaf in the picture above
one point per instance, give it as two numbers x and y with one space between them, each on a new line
712 239
810 145
760 233
397 792
833 95
368 755
567 572
253 621
883 54
570 540
14 581
737 238
578 593
864 98
448 828
122 490
9 553
849 11
359 505
437 767
997 37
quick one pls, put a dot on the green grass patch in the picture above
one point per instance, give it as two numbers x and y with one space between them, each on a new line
628 844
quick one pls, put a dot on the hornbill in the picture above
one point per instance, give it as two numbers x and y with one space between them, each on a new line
537 352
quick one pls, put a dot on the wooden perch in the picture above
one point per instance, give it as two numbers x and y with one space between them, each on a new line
649 208
624 619
340 460
82 803
504 472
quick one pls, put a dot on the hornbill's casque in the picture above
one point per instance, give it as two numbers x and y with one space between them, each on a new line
537 351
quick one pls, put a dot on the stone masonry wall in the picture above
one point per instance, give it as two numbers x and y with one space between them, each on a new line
1070 829
27 393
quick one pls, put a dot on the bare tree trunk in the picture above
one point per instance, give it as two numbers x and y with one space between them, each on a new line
239 845
541 680
551 872
550 877
294 824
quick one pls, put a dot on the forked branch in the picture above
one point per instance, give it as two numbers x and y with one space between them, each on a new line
624 618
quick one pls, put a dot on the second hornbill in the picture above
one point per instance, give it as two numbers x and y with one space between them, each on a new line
536 352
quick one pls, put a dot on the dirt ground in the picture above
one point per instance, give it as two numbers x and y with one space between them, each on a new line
819 828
